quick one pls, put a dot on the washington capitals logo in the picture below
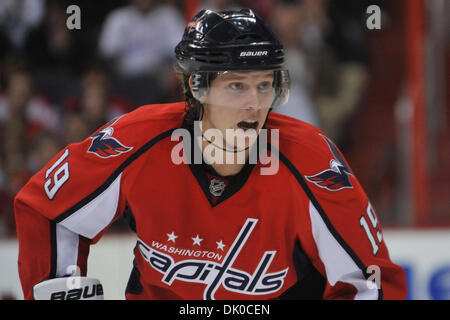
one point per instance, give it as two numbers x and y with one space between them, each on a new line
214 275
105 146
337 177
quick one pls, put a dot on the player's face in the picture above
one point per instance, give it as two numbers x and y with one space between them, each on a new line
238 100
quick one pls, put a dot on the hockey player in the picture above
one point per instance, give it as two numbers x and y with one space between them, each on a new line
228 200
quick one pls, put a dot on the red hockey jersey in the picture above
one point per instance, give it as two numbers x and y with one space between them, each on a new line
305 230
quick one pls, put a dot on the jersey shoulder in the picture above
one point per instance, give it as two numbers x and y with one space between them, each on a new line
297 137
140 126
92 169
154 117
308 148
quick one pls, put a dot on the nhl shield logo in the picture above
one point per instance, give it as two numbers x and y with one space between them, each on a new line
216 187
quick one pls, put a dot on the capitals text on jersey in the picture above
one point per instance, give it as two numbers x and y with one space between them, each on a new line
214 274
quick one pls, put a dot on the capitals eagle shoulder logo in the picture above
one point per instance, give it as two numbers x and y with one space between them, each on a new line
337 177
104 145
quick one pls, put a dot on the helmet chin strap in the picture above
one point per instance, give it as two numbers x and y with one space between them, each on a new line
224 149
215 145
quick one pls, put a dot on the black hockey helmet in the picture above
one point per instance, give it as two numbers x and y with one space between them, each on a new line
228 40
214 43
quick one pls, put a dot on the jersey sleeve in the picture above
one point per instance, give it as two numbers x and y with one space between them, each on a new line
68 205
346 236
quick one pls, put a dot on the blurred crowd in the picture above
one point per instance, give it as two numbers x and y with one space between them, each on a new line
58 85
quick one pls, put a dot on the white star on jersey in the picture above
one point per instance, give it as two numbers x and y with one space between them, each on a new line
172 237
220 245
197 240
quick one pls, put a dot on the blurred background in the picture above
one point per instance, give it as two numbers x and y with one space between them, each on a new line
378 85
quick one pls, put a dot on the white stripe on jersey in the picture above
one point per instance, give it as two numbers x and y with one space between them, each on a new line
66 251
92 218
339 266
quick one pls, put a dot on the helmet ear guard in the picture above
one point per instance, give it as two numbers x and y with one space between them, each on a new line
281 84
199 84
